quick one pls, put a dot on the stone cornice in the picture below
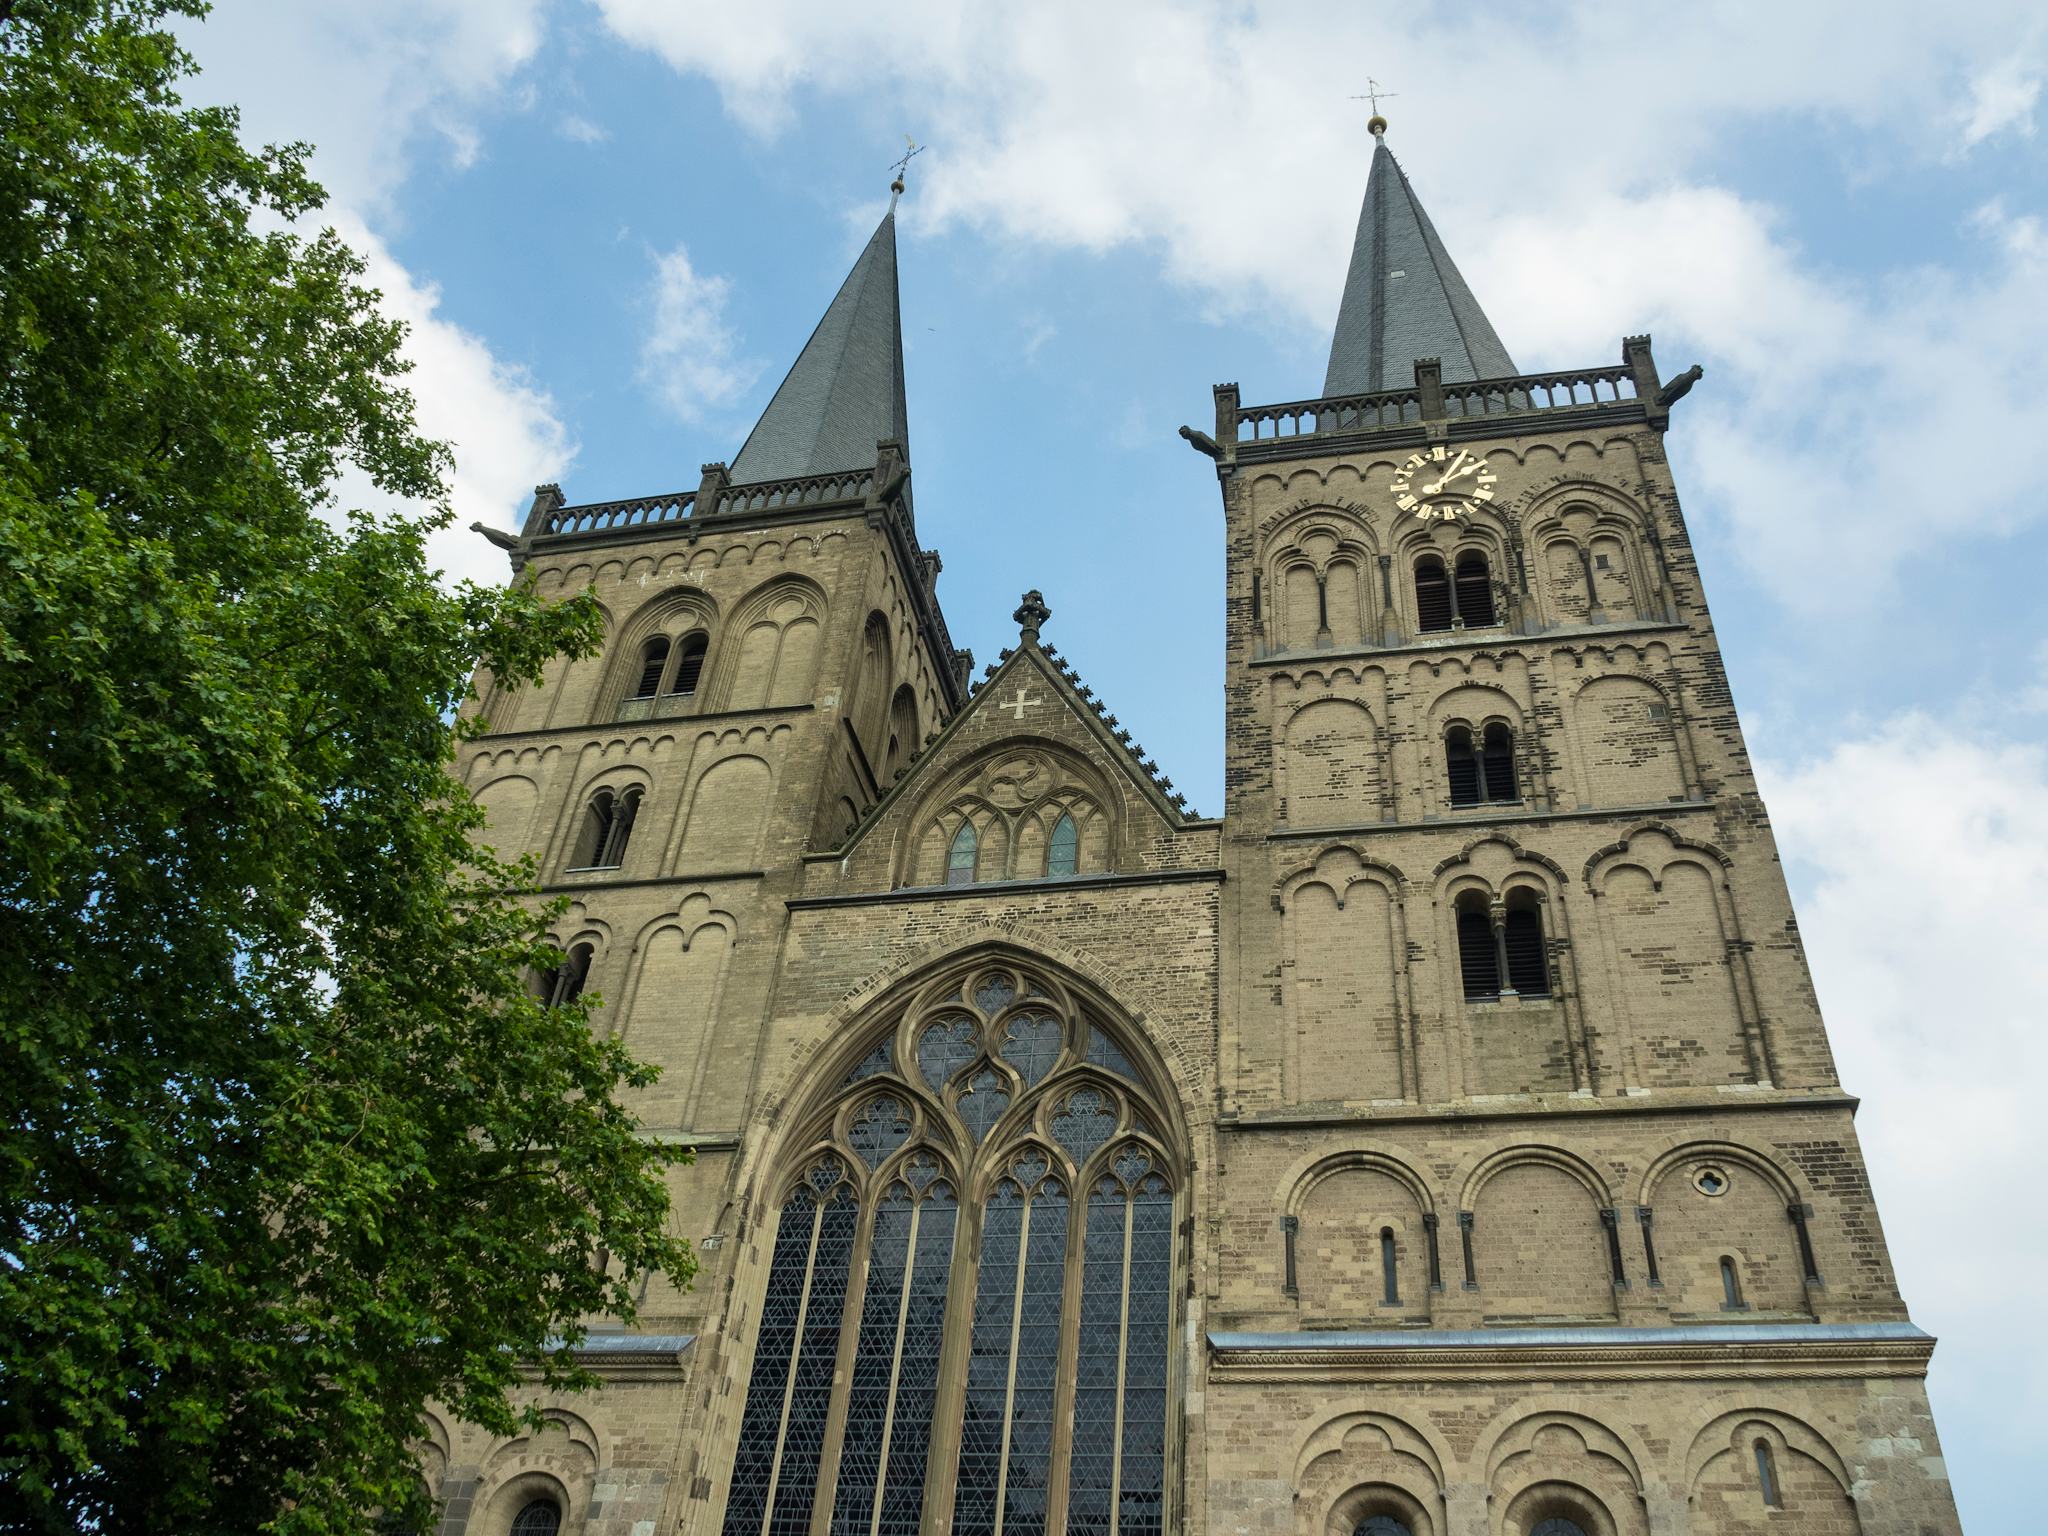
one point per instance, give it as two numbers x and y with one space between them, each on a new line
1746 1352
1008 888
632 1356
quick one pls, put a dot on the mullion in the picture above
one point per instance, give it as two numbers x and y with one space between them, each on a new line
1092 1481
917 1376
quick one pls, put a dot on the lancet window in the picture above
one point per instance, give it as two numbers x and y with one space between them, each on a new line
983 1224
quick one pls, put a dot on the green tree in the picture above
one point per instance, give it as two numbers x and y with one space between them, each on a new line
287 1147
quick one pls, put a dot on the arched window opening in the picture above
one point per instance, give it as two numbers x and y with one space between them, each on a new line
607 824
1497 764
960 858
541 1517
1731 1287
1055 1287
596 832
1472 595
1557 1525
1523 958
563 984
689 664
1767 1475
653 662
1390 1274
1462 766
1062 849
1478 954
1382 1525
1432 595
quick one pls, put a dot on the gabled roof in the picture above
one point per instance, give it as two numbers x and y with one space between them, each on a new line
1404 297
1033 657
845 393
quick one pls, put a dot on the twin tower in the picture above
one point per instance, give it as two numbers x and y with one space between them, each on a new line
1443 1142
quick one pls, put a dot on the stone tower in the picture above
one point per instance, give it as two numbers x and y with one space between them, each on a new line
1444 1142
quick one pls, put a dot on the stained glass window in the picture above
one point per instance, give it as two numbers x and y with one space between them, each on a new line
960 857
1063 848
1072 1246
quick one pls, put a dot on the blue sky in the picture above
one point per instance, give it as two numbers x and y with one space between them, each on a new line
613 224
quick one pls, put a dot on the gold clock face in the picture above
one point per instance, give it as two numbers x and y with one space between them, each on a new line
1441 484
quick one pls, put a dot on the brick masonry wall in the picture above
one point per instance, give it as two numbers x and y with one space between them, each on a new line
1293 974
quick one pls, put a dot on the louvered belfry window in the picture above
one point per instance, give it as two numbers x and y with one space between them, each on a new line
689 664
1461 766
990 1175
1475 591
1432 595
1528 969
1478 957
653 662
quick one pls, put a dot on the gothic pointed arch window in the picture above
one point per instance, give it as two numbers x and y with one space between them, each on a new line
981 1220
962 854
1063 848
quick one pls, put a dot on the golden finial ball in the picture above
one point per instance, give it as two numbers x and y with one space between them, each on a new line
896 186
1375 125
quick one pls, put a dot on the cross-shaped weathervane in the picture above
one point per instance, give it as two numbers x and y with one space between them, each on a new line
912 150
1373 94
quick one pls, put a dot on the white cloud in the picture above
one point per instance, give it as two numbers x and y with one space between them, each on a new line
689 355
369 83
2001 98
1218 135
1914 853
506 431
580 129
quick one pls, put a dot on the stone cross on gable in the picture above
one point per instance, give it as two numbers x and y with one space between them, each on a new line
1018 705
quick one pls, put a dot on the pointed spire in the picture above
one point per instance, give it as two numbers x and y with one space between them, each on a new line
845 393
1403 298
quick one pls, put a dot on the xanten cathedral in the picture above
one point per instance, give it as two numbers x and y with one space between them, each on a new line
1443 1142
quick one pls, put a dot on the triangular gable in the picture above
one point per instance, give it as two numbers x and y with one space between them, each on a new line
1029 694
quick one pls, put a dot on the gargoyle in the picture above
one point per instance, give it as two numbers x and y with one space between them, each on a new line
1675 391
1201 442
504 541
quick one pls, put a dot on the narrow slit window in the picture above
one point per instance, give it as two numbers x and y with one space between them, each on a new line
1767 1475
1497 764
1461 765
1475 591
1063 848
1731 1286
689 665
1390 1274
1432 595
653 662
960 858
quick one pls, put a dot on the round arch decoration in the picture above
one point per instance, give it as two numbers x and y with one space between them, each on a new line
970 1290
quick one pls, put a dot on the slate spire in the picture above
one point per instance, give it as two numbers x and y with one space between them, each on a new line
845 393
1403 297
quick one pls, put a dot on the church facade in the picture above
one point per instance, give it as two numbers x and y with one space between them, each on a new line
1442 1142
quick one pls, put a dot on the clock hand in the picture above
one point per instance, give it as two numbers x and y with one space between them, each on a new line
1450 472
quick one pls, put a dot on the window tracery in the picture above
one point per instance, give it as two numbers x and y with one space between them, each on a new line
990 1175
